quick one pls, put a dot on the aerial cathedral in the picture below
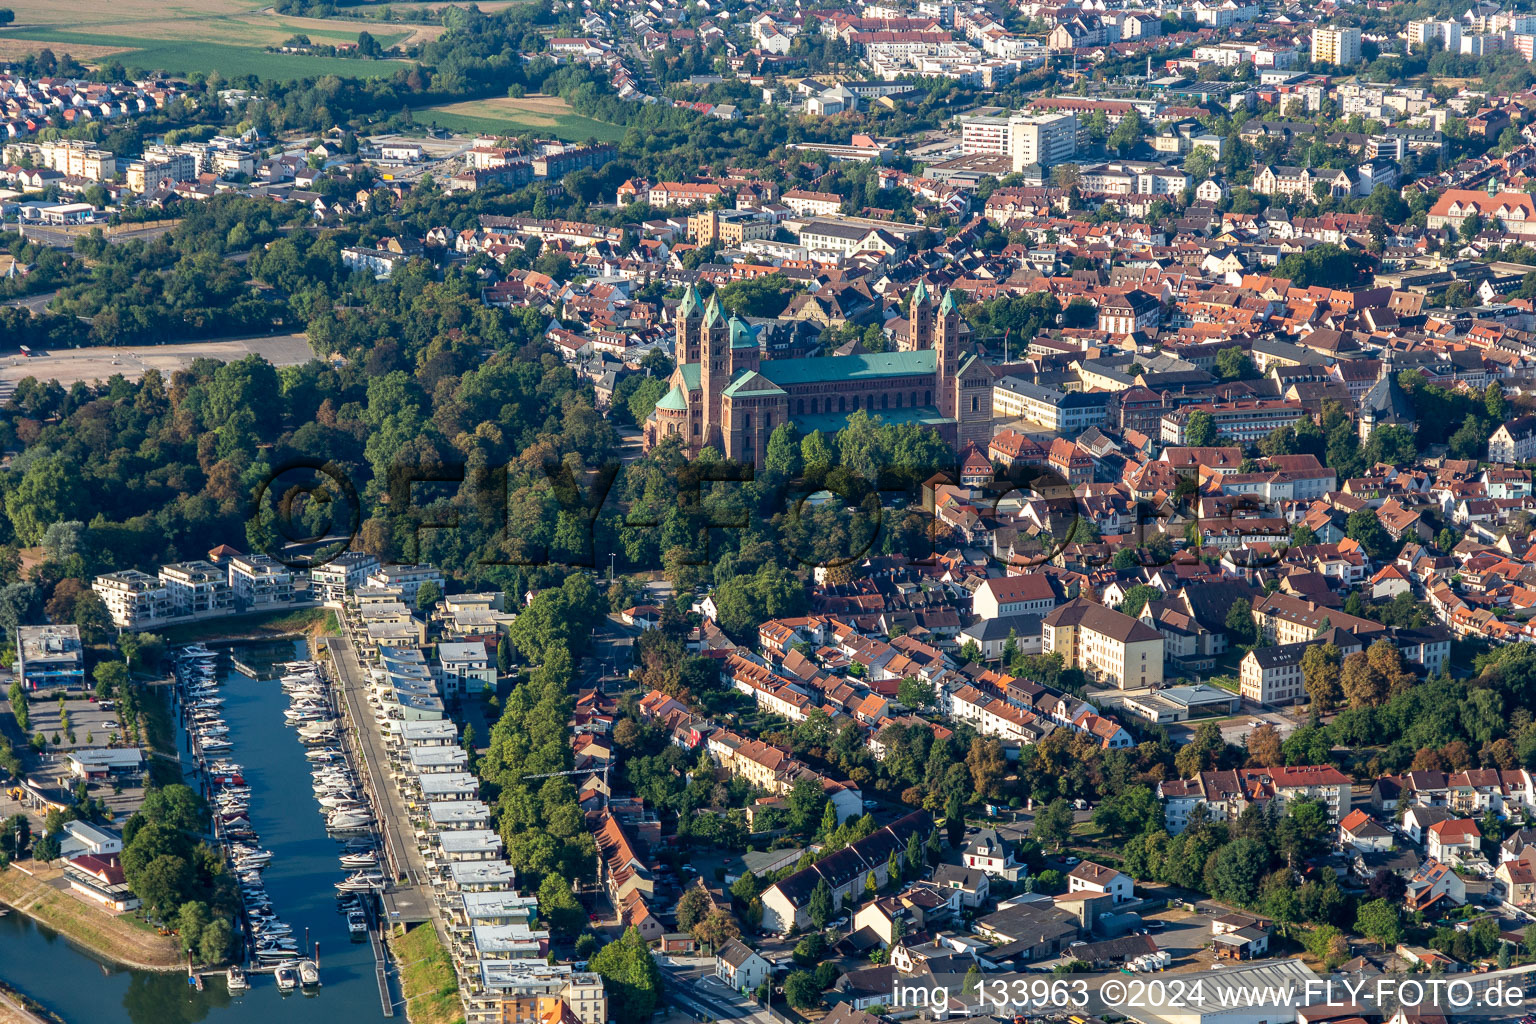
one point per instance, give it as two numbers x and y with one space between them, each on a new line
726 396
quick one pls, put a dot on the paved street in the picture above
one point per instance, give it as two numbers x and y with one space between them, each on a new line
692 984
409 899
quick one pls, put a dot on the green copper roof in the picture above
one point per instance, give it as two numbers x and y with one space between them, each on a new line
830 369
948 305
692 303
712 312
858 367
752 384
741 334
919 294
674 400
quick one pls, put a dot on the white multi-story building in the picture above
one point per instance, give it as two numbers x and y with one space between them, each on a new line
345 572
1043 139
134 599
257 581
465 668
196 587
408 578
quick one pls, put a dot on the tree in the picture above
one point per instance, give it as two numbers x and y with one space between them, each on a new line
716 929
1200 430
1053 823
427 595
560 908
801 990
915 693
46 849
821 905
111 678
213 945
1381 922
1240 625
1320 676
18 697
1236 870
631 977
1264 747
1363 527
1136 599
954 821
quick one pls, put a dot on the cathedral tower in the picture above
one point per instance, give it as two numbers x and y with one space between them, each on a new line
919 320
946 342
714 369
690 318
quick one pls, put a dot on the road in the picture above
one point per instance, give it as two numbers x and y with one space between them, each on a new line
611 654
691 983
36 303
410 898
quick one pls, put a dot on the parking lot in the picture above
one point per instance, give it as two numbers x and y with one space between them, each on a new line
88 723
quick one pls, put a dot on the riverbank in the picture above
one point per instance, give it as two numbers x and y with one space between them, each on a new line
427 981
117 938
273 625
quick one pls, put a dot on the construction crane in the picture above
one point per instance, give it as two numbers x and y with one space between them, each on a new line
603 771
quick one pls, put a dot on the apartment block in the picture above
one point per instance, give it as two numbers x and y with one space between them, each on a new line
134 599
197 587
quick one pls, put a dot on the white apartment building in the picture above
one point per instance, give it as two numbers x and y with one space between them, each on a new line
134 599
257 581
196 587
465 668
408 578
1043 139
345 572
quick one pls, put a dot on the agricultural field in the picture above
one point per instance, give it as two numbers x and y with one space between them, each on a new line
548 115
228 35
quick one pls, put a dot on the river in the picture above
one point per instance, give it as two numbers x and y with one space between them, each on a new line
301 880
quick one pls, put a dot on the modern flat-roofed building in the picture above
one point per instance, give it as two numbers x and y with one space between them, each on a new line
134 599
409 578
197 587
49 656
465 668
347 571
258 581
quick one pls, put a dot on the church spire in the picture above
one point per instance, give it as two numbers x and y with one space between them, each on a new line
712 314
692 303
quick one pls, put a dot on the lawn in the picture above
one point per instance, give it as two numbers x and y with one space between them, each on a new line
426 976
179 56
544 115
121 937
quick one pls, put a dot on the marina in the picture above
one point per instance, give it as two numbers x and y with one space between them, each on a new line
298 876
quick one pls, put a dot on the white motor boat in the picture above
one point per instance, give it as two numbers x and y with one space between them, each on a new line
237 981
287 978
357 923
359 860
342 821
309 974
362 881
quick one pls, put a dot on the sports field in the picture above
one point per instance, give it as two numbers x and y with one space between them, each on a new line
547 115
230 36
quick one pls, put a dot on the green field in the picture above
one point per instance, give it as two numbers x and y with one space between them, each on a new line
570 127
185 57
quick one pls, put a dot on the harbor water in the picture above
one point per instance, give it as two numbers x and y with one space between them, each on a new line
300 879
